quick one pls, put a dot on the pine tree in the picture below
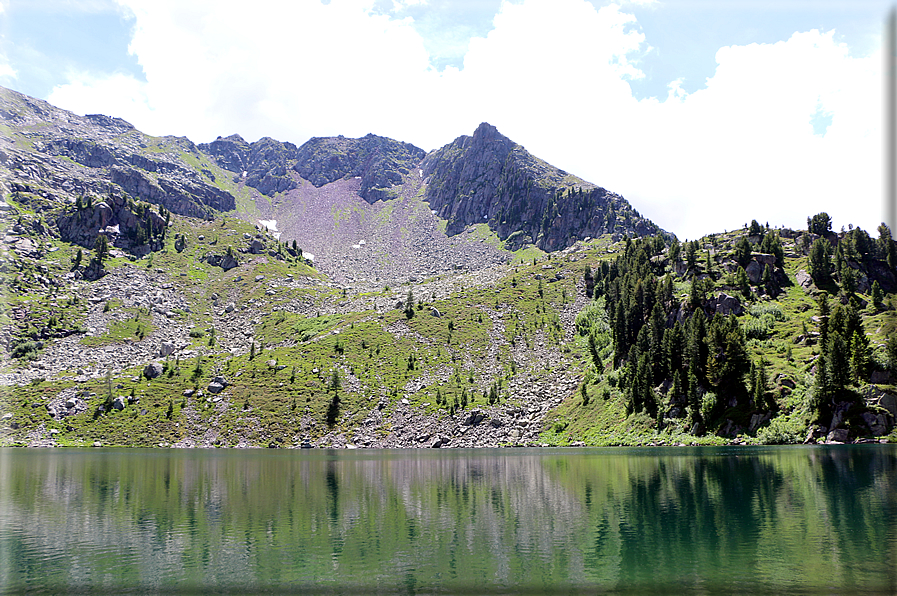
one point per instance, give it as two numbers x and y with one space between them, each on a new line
820 261
877 295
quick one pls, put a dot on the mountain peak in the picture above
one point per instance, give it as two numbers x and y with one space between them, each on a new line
488 178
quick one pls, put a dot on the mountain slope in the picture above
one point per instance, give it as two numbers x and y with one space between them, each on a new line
489 178
58 156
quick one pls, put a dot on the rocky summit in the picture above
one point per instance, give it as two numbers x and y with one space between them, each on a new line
365 293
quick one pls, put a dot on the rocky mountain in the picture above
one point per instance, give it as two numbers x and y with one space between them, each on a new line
489 178
58 156
485 178
379 162
359 292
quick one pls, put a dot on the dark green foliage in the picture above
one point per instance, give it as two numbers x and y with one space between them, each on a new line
877 295
891 349
741 280
585 394
772 245
596 356
820 261
755 229
691 254
409 305
886 249
743 252
820 223
26 350
675 250
101 248
652 348
845 354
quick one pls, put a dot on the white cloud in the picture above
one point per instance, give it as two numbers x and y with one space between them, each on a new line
6 70
551 74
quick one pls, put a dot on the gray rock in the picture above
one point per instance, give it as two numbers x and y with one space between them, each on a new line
839 435
435 312
727 305
70 403
804 280
230 307
877 423
152 370
119 403
166 349
215 387
474 418
754 272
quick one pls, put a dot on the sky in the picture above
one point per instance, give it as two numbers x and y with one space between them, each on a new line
703 114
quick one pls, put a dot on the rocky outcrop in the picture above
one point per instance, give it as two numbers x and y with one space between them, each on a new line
381 163
60 156
120 220
267 164
487 178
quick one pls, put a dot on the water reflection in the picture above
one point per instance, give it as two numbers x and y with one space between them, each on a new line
761 520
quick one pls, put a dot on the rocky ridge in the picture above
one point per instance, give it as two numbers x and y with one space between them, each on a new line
57 155
489 178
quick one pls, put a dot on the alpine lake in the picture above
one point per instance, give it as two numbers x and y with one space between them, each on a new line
699 520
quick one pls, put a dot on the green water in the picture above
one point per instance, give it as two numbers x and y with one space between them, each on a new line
697 520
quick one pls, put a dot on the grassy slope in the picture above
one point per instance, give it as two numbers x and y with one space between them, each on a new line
369 350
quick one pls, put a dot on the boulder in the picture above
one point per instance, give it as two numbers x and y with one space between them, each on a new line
435 312
474 418
119 403
228 262
877 423
724 304
754 272
152 370
166 349
217 385
838 435
257 246
875 397
804 280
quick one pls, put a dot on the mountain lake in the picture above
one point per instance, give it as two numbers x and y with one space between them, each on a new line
733 520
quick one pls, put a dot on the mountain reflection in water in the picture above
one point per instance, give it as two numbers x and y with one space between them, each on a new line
708 520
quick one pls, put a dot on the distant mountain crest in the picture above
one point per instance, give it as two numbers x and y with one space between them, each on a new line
489 178
381 163
483 178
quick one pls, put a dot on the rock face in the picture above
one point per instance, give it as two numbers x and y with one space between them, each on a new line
381 163
269 165
59 155
487 178
124 225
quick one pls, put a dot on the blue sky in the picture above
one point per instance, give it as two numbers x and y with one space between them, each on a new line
703 114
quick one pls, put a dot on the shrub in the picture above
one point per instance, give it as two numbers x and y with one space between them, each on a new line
26 350
781 431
